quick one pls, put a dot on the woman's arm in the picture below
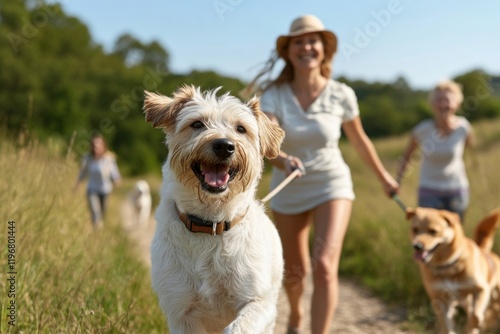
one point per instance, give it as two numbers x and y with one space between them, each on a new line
405 159
115 175
81 173
470 141
364 146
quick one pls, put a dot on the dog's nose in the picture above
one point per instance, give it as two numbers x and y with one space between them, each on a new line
223 148
418 246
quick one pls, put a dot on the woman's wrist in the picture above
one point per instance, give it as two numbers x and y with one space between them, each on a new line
286 161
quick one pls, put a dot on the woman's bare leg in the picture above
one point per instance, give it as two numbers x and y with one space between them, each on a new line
330 225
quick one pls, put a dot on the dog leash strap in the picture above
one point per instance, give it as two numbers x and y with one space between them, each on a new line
280 186
399 202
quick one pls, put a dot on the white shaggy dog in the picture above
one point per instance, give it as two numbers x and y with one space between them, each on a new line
141 202
216 257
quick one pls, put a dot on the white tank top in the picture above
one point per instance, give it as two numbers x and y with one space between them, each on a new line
442 165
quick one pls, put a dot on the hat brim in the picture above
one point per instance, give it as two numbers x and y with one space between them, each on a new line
329 38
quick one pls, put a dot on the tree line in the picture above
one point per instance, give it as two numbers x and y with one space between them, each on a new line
56 81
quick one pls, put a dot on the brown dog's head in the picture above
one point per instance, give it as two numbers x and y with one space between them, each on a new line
432 231
215 144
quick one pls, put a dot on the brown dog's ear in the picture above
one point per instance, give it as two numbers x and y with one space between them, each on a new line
410 213
161 110
450 217
270 134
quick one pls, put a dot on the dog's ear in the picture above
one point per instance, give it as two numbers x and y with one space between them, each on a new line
158 110
161 110
450 217
410 213
270 134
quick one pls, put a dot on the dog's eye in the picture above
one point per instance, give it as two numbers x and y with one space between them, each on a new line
433 232
415 230
241 129
197 125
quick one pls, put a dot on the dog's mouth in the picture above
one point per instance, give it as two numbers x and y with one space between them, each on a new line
214 178
425 255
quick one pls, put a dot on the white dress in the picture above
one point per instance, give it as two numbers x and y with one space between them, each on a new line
312 136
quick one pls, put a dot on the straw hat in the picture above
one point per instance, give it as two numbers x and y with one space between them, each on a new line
304 25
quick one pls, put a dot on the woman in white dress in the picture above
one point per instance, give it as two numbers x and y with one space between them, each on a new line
312 108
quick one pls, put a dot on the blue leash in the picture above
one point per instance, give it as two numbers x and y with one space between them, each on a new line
399 202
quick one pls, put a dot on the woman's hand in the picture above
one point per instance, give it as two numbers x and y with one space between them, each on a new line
391 187
292 163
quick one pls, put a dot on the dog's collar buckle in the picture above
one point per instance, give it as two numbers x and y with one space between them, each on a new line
214 228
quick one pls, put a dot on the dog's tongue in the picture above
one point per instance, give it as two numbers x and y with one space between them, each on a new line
216 176
420 255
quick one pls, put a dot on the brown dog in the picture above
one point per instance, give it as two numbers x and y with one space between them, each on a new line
456 271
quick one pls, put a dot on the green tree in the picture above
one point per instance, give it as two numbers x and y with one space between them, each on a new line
479 101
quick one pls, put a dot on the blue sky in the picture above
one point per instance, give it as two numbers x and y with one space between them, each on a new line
424 41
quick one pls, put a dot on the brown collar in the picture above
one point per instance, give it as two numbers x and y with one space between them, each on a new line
448 269
451 268
198 225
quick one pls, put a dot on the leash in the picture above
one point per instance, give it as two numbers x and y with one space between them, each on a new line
282 185
399 202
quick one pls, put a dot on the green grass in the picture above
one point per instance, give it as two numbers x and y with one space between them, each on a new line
70 279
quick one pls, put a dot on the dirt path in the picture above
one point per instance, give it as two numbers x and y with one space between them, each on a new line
358 313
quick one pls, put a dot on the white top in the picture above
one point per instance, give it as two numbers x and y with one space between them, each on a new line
442 156
312 135
101 172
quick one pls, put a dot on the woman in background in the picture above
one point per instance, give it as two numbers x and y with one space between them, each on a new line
100 167
443 182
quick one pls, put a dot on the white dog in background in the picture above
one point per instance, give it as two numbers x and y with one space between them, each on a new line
141 202
216 257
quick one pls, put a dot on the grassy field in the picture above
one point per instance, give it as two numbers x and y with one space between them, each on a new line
68 278
71 279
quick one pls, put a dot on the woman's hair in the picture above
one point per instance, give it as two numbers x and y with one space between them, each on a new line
286 75
447 85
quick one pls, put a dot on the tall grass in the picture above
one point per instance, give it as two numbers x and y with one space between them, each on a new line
69 278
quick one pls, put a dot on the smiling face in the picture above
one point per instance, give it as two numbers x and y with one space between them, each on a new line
445 103
215 144
306 52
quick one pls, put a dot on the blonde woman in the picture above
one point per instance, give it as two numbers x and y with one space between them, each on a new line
312 108
443 182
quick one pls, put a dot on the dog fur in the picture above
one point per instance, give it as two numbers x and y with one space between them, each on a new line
456 271
214 283
141 202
